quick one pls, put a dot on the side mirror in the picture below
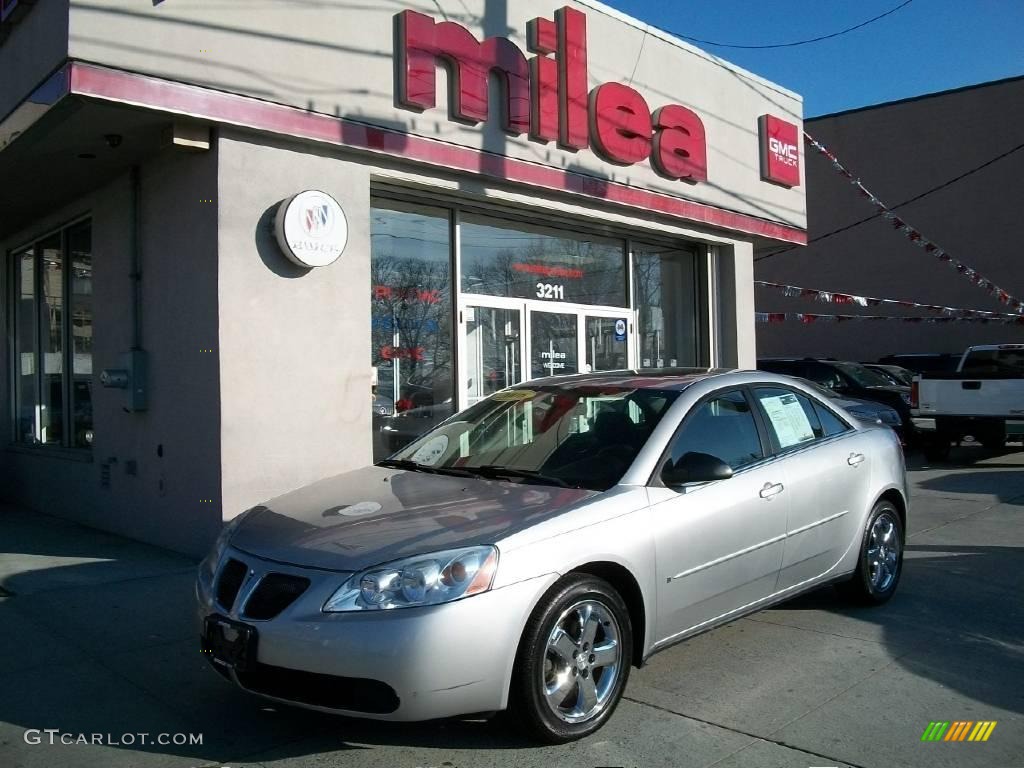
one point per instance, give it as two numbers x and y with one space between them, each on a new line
695 467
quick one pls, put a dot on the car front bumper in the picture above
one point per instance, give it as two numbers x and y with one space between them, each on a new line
439 661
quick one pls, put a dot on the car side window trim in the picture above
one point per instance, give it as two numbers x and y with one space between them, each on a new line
655 479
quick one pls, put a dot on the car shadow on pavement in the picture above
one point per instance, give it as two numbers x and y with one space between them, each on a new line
955 620
99 637
1010 485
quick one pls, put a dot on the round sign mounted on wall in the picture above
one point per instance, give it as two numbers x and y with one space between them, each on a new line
311 228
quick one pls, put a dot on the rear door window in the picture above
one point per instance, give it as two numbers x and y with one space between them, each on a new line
790 417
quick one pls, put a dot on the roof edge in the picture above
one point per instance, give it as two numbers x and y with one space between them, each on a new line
920 97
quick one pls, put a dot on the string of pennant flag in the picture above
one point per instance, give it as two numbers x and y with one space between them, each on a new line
834 297
805 318
915 235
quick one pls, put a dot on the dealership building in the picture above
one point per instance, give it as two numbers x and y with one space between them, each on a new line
249 246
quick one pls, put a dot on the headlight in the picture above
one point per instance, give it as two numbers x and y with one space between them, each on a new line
424 580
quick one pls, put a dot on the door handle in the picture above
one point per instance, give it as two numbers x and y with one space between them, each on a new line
770 490
855 459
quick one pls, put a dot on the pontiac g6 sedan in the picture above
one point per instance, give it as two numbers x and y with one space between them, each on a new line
530 550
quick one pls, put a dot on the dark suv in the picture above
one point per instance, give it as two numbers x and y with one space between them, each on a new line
848 379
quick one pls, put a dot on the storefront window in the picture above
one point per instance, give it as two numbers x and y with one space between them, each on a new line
51 308
411 297
53 357
26 391
501 258
80 341
664 284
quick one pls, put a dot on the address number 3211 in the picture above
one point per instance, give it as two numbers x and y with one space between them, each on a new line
550 291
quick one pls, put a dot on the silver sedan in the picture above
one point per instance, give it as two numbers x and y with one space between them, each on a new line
530 550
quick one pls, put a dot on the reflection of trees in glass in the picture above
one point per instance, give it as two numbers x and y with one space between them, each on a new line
413 298
663 293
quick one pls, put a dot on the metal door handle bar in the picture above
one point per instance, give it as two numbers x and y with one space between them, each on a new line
771 489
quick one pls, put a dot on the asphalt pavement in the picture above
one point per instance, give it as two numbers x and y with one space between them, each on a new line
97 637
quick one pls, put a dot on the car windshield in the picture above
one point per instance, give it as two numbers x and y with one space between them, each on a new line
863 375
570 435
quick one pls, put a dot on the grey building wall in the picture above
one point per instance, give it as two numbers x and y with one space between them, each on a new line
164 501
294 347
35 47
899 151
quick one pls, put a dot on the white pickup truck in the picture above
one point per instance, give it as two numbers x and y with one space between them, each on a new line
983 398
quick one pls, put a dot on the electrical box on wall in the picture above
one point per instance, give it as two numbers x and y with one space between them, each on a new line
130 376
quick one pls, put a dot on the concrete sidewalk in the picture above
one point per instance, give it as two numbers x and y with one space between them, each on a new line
97 637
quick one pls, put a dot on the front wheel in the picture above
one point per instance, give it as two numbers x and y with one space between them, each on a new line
881 558
573 661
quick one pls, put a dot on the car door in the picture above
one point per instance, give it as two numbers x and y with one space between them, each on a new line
718 544
828 470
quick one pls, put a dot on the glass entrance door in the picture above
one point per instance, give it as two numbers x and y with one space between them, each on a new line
606 342
504 342
554 343
492 350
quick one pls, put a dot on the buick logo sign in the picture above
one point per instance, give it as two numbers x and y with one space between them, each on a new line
311 229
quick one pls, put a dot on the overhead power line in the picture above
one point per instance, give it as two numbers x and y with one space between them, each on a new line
908 201
794 43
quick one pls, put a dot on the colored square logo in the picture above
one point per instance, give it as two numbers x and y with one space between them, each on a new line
780 151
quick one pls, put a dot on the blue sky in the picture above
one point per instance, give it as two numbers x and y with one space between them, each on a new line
930 45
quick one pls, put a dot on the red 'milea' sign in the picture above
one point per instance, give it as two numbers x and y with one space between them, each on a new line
547 96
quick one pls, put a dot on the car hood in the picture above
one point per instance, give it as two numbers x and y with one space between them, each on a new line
862 405
374 515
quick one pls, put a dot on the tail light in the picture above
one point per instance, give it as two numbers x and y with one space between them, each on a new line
914 394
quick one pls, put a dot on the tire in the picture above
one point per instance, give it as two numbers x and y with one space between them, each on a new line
881 562
554 648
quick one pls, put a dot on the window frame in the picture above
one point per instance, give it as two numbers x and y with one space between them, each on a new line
655 480
12 272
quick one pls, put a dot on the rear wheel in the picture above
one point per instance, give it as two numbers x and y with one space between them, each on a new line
881 558
573 661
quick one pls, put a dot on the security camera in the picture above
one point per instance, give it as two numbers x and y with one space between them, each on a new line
113 139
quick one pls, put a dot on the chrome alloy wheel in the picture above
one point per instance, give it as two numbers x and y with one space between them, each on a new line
582 661
884 552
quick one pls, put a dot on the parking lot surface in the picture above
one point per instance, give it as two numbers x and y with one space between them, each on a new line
97 637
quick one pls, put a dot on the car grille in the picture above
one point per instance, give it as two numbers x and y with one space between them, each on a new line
274 593
230 581
354 694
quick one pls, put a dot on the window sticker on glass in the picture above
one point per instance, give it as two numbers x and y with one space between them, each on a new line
788 419
513 395
432 451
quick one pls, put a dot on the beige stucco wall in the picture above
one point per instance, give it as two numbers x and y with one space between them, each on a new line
339 59
294 344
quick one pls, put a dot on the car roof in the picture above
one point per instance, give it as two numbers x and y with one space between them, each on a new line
648 378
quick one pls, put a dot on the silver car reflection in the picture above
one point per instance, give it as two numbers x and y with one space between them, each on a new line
527 552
